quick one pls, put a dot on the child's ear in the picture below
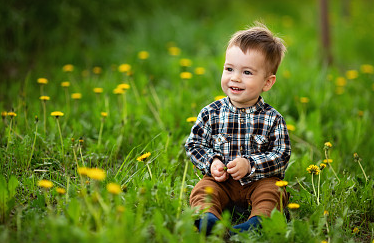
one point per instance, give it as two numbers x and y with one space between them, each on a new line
269 83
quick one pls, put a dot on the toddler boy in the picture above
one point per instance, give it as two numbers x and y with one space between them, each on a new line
240 143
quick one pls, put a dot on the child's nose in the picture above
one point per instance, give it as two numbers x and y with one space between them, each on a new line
235 77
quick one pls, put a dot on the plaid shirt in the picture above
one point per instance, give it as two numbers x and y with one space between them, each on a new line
257 133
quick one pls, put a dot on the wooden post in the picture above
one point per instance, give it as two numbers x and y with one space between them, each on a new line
325 32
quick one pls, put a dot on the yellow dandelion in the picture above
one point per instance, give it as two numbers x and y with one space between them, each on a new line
185 62
60 190
118 91
327 161
44 97
124 68
113 188
304 100
143 157
98 90
57 114
104 114
97 70
68 68
209 190
291 127
322 166
313 169
293 205
42 81
45 183
12 114
76 96
286 74
351 74
174 51
192 119
355 230
199 71
328 145
324 241
186 75
325 213
123 86
143 55
65 84
281 183
83 171
120 209
96 174
4 114
367 68
340 81
219 97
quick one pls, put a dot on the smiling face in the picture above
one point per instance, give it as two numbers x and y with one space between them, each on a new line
244 76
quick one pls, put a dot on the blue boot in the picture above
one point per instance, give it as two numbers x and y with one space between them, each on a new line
207 222
252 224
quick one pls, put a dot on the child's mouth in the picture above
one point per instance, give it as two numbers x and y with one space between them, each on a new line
235 90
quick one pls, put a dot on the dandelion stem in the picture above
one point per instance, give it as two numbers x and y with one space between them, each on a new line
363 171
319 183
80 151
45 117
33 146
149 170
10 134
101 131
314 189
280 200
182 189
62 142
333 171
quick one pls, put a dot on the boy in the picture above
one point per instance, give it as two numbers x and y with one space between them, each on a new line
240 143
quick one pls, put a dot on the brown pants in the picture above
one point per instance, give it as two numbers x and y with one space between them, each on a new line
263 195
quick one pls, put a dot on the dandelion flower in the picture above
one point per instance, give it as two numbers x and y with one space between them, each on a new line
293 206
143 157
327 161
355 230
97 70
65 84
325 213
199 71
209 190
98 90
322 166
45 183
328 145
313 169
83 171
118 91
174 51
185 62
104 114
291 127
143 55
76 96
68 68
57 114
340 81
123 86
351 74
219 97
367 68
120 209
304 100
186 75
12 114
114 188
124 68
4 114
96 174
281 183
42 81
44 98
60 190
192 119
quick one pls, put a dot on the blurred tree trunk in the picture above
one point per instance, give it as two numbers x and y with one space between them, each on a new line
325 32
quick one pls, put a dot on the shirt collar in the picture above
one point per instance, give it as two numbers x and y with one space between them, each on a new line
258 106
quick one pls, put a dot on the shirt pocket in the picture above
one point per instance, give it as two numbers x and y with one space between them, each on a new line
259 144
221 143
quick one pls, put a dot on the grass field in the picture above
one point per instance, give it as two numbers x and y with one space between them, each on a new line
111 166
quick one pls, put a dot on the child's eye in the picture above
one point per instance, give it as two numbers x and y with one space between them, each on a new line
247 73
229 69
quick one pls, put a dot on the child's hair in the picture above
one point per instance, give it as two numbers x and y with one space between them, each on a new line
260 38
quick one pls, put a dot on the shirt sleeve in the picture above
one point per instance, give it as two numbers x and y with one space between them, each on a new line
199 145
274 161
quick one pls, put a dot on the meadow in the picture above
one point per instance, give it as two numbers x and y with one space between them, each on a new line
95 115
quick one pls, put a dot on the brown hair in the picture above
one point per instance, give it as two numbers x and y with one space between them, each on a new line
260 38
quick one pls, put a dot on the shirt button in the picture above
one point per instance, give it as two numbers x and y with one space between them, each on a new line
243 110
242 121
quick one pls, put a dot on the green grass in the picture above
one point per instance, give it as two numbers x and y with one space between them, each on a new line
151 117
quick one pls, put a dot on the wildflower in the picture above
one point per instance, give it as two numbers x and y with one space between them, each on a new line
97 70
44 98
76 96
143 55
313 169
65 84
12 114
45 183
351 74
118 91
120 209
367 68
96 174
60 190
324 241
186 75
357 159
98 90
185 62
57 114
192 119
209 190
83 171
327 161
322 166
355 230
4 114
304 100
286 74
325 213
174 51
42 81
340 81
124 68
81 140
123 86
104 114
199 71
291 127
281 183
328 145
68 68
293 206
114 188
219 97
143 157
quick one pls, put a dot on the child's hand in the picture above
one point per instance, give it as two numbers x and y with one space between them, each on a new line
238 168
217 169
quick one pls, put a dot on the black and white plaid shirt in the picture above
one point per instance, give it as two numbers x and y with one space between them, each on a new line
257 133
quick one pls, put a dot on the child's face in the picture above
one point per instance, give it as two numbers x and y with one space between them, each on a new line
244 76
